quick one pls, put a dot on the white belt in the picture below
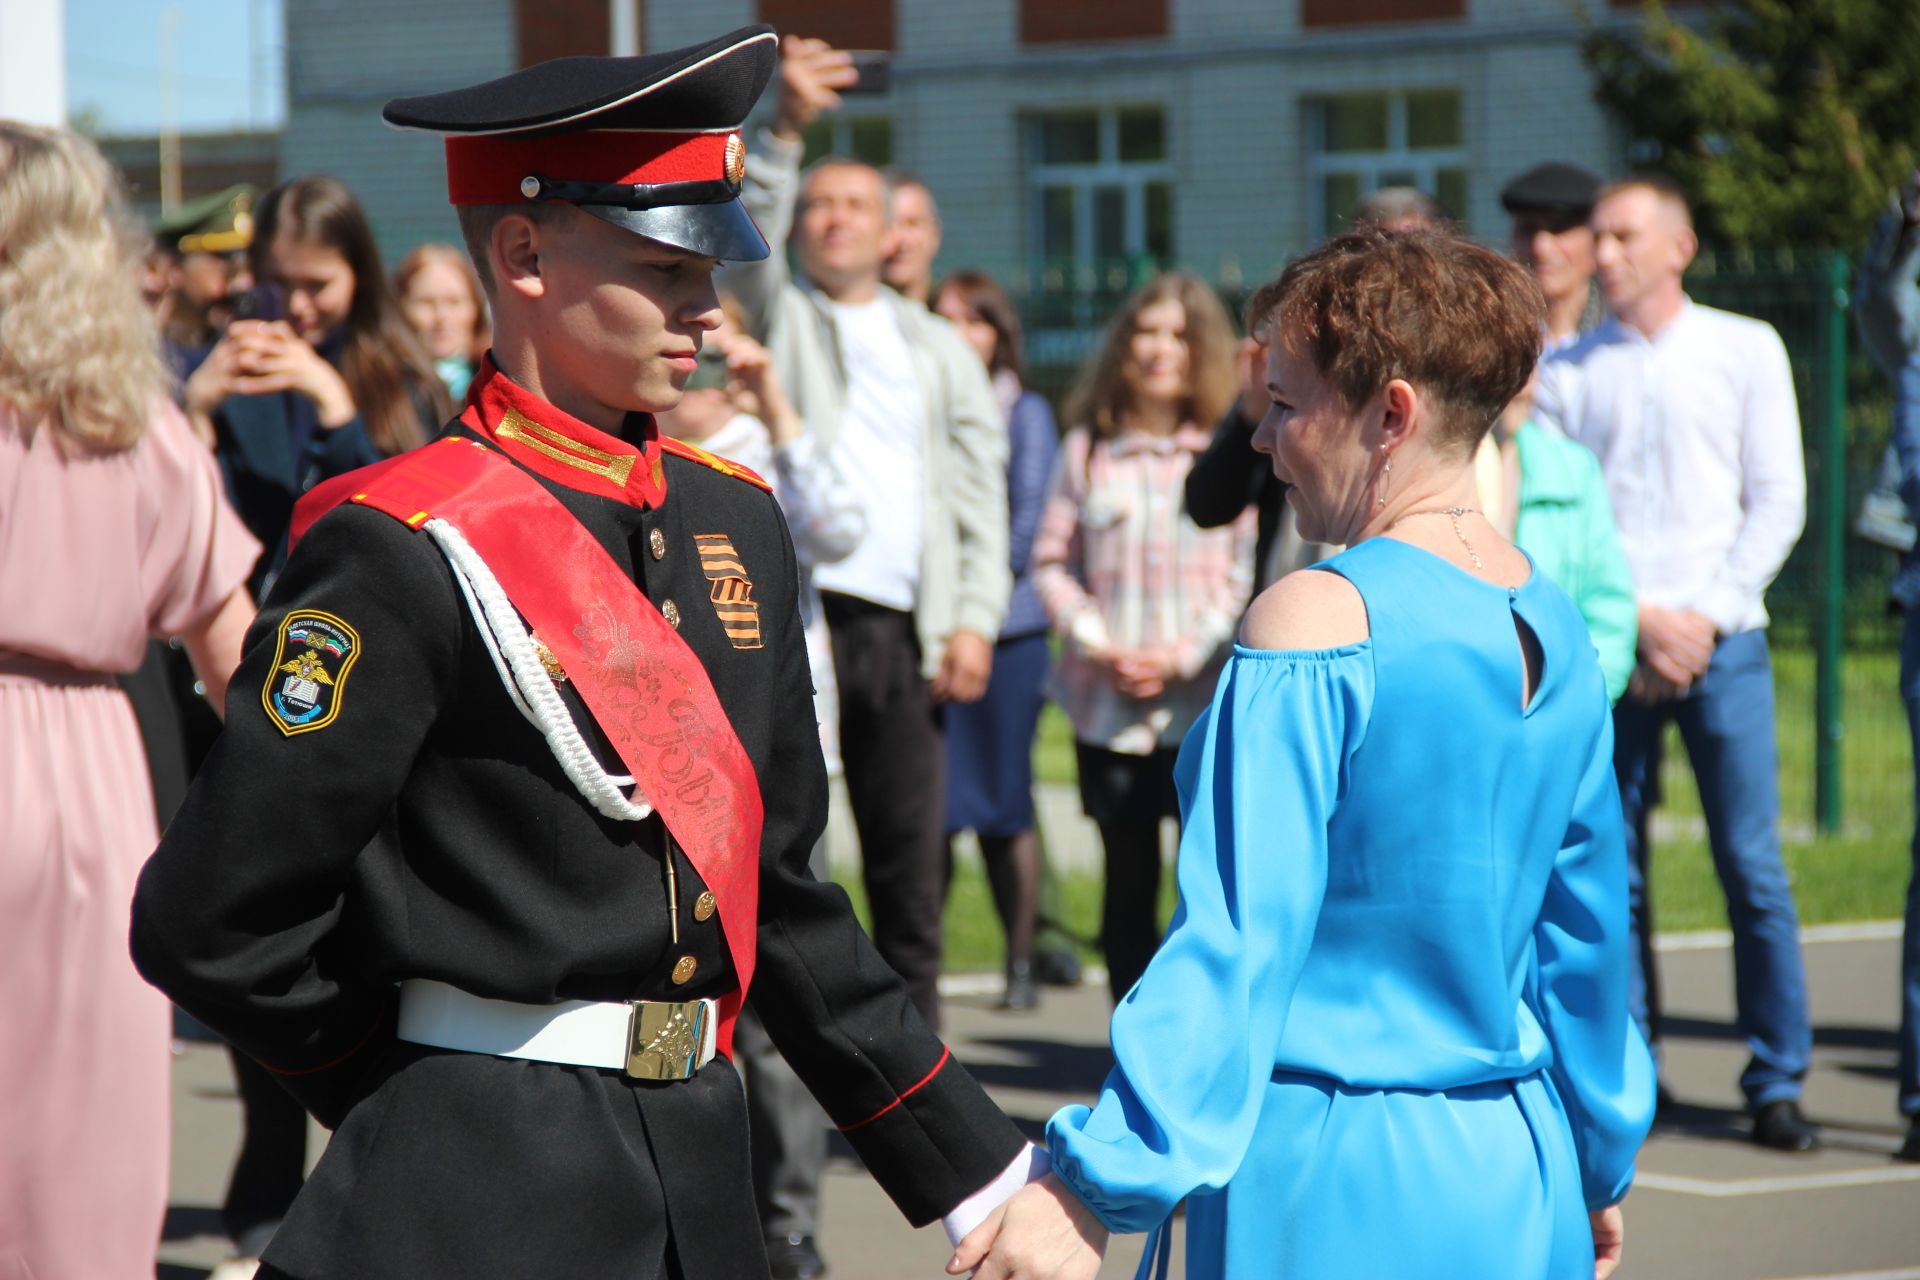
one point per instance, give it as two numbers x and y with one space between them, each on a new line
647 1039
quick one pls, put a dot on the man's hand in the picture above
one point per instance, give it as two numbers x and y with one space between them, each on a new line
1649 689
965 668
1676 643
1609 1239
1043 1233
812 73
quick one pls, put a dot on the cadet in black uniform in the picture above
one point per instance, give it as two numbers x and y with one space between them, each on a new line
397 886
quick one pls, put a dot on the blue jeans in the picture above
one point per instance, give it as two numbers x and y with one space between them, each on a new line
1910 947
1726 722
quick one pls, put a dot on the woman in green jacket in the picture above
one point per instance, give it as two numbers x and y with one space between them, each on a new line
1565 522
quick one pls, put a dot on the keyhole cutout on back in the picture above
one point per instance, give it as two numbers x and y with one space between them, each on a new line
1533 661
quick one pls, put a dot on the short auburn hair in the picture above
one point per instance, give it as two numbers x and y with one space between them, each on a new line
1460 322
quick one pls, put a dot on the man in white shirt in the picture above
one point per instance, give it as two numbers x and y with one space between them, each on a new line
1692 413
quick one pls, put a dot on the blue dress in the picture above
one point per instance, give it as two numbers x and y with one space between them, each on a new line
1387 1033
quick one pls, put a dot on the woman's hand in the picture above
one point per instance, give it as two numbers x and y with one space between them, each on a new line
1043 1232
1143 673
1609 1239
268 357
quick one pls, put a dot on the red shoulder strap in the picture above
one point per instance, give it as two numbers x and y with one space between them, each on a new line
725 466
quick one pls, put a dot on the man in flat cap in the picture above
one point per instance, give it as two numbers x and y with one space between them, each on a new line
521 773
1549 205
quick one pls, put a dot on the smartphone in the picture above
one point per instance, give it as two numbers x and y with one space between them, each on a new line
262 302
875 70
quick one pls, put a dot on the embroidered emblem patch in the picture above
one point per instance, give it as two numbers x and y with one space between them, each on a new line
732 589
309 672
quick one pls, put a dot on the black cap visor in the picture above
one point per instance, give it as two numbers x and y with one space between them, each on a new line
722 229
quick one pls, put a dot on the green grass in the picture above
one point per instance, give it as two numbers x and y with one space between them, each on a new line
1858 874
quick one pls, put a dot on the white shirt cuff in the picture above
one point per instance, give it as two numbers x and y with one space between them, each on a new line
1030 1165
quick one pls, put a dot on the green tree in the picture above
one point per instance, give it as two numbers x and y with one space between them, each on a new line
1789 122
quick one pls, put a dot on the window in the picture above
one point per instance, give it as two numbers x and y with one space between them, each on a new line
868 139
1360 142
1101 202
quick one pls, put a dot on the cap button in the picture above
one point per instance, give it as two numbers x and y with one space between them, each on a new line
530 187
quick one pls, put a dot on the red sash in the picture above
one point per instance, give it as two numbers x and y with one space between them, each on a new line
647 690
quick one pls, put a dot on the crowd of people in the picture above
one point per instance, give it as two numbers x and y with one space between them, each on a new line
1546 492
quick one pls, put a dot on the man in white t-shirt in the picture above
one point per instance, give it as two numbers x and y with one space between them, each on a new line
907 411
1691 412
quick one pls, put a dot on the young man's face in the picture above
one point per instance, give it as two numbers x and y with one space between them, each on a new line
620 318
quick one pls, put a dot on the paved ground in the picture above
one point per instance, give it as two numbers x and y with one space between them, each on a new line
1708 1205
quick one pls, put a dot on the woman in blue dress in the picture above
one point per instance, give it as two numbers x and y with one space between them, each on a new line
1387 1032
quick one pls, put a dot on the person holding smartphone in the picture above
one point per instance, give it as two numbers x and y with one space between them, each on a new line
319 373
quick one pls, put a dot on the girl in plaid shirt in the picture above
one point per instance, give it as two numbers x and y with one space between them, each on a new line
1145 601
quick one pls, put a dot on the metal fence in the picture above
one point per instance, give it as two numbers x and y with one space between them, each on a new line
1845 747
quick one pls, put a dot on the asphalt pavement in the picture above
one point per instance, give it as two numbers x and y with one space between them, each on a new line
1708 1204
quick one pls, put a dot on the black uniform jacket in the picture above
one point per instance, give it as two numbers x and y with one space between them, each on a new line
426 831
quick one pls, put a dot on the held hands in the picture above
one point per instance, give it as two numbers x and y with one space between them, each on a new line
1043 1233
1675 646
1609 1239
1142 673
262 357
965 669
812 73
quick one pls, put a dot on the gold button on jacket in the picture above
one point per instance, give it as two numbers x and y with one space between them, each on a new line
671 612
684 969
703 907
657 544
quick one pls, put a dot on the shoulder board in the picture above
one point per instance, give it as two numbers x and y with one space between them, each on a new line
406 487
693 453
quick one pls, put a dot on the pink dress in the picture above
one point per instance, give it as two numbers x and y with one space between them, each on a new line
97 553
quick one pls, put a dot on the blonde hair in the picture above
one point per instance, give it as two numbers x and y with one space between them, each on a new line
78 347
1101 399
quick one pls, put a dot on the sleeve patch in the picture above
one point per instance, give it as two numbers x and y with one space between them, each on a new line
308 677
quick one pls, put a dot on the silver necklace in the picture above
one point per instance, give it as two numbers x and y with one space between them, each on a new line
1458 532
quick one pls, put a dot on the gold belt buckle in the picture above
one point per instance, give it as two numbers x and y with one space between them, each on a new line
664 1038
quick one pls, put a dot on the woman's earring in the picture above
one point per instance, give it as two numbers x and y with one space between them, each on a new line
1386 469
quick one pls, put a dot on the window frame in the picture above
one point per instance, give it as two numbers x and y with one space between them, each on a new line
1398 159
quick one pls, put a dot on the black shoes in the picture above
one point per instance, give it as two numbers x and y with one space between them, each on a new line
794 1258
1910 1149
1022 991
1784 1127
1056 967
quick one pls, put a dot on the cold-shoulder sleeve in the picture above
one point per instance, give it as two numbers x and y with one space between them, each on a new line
1260 776
1601 1066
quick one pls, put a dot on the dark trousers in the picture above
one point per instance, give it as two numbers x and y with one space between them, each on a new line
896 770
272 1162
1126 796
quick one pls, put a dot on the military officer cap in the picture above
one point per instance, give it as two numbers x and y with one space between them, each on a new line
649 143
217 223
1564 190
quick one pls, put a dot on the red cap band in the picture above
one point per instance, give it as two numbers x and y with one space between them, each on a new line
487 169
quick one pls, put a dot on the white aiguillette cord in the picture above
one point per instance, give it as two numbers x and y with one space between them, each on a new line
527 680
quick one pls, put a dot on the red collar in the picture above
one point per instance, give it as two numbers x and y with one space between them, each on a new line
559 446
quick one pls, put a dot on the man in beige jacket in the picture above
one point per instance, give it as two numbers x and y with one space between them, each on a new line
906 407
